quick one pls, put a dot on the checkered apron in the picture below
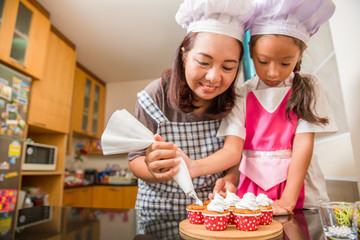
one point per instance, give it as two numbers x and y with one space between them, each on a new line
162 206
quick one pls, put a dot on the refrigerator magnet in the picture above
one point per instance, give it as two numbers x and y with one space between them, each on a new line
14 149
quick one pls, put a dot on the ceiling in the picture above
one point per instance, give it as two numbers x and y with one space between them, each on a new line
119 40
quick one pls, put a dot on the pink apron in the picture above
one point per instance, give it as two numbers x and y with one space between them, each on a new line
267 150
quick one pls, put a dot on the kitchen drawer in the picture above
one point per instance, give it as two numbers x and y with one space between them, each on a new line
78 197
114 196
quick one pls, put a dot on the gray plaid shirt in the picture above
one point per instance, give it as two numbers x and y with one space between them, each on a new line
162 206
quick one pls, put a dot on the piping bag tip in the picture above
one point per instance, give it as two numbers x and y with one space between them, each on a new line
193 195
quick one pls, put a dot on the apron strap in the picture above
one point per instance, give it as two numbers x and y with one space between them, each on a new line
148 104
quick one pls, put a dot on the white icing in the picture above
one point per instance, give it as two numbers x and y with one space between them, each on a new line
218 204
248 202
263 200
231 198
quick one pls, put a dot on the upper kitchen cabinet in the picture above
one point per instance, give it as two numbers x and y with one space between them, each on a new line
88 104
50 101
24 34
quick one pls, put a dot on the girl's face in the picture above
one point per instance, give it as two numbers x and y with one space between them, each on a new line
211 66
275 57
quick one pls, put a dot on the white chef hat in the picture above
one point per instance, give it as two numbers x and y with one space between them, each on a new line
296 18
226 17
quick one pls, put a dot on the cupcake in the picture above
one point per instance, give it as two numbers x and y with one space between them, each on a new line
247 213
195 213
266 209
216 214
231 199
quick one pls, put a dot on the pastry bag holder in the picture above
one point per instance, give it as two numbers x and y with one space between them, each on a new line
124 133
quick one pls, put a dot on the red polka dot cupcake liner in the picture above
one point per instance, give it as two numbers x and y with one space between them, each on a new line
231 218
216 222
266 217
195 217
247 222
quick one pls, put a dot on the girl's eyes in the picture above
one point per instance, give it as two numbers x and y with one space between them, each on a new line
285 64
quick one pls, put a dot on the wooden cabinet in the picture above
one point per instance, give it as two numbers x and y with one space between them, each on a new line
50 101
88 104
101 196
78 197
49 114
114 196
24 35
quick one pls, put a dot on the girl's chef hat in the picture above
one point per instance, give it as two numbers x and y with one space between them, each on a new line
226 17
296 18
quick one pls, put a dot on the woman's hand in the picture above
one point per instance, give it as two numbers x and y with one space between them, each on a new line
162 159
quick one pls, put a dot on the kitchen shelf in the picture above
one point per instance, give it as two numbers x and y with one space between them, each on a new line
44 173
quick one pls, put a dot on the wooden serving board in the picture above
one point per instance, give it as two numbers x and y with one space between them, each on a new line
198 231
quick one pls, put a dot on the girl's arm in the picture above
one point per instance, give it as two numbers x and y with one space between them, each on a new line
301 157
159 164
225 158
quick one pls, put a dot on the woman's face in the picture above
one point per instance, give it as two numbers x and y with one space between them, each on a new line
275 57
211 65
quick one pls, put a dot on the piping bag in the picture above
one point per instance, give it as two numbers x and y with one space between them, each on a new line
124 133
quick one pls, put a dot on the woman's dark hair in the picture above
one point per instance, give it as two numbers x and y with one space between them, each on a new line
303 92
180 96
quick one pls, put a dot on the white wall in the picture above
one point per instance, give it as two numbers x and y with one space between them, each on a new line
346 38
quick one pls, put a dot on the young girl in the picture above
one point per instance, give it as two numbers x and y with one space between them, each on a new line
281 109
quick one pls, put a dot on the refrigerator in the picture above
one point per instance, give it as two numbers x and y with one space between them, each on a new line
14 100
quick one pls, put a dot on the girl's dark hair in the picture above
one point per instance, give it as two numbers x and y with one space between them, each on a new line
302 99
180 96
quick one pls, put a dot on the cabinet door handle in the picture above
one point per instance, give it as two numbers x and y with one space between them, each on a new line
40 123
70 191
115 189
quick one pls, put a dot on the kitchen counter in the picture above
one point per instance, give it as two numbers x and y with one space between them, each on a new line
100 224
134 183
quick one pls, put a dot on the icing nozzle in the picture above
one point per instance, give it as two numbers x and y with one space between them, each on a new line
193 195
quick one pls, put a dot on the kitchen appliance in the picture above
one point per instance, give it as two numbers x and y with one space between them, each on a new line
35 215
39 157
14 99
91 175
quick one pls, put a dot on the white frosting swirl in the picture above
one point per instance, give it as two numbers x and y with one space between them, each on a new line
218 204
263 200
231 198
248 202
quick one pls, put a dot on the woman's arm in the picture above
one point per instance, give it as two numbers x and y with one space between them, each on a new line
301 157
225 158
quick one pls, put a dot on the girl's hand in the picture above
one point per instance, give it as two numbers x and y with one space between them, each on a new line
189 163
282 207
222 185
161 159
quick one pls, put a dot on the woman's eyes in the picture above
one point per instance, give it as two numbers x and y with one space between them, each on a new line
205 64
202 63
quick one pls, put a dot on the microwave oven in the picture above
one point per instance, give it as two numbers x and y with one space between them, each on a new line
32 216
39 157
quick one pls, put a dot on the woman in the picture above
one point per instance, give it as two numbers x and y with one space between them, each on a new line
185 107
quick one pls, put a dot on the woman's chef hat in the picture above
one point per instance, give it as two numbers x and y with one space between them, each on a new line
226 17
296 18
